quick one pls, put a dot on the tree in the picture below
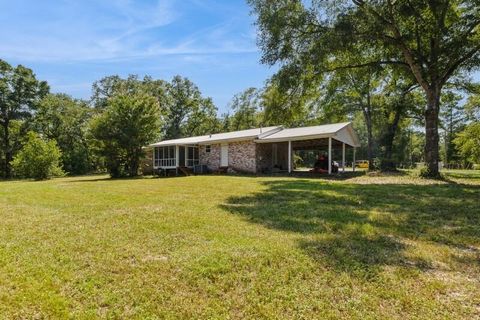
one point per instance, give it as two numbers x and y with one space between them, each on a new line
128 123
184 111
112 86
20 92
65 120
289 107
398 100
38 159
187 112
453 118
350 91
246 110
472 107
468 143
434 41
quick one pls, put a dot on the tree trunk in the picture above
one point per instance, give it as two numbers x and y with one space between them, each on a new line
388 164
368 121
431 133
8 152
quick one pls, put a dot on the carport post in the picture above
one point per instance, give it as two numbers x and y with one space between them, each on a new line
289 156
353 163
329 155
177 158
343 157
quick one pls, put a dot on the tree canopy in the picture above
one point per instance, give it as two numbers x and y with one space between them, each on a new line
432 41
20 92
128 123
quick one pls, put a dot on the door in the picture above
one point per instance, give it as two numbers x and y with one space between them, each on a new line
224 156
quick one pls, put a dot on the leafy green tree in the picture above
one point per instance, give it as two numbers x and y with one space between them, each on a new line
294 102
127 124
38 159
184 111
20 92
468 143
472 107
245 108
399 100
187 111
65 120
111 86
453 118
351 91
434 41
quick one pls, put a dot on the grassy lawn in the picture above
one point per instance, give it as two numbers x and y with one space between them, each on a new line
367 247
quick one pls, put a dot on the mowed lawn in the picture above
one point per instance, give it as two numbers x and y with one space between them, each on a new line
367 247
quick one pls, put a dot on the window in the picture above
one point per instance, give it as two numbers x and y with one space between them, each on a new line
207 148
192 156
164 157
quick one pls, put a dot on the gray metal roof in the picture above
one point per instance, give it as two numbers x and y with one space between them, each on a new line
220 137
340 131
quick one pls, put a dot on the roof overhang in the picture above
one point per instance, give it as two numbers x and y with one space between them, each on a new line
342 132
298 138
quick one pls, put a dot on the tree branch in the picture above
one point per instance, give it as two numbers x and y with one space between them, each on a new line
458 63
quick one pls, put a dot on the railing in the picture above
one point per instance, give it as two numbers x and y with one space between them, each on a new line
167 162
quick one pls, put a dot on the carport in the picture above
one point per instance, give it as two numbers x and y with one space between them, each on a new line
339 135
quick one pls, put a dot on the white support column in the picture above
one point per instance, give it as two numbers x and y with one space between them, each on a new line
153 157
353 163
289 156
186 156
329 155
343 157
177 157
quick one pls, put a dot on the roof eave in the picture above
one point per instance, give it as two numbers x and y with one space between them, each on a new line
296 138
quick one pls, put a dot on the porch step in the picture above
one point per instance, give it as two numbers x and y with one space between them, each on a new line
222 170
185 171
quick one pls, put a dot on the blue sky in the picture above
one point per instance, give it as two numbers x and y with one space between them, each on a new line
71 43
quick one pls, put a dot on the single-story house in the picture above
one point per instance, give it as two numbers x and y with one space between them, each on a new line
254 150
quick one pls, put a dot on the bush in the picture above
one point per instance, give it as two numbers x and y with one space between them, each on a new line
38 159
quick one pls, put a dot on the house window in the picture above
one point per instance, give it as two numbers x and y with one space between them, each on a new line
192 156
164 157
207 148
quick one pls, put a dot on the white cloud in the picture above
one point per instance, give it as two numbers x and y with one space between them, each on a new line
114 30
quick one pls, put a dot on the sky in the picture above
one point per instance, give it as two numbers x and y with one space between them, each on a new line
72 43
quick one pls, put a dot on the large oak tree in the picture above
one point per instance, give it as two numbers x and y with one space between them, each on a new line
432 40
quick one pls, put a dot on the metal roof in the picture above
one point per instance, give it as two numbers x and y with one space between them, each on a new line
219 137
340 131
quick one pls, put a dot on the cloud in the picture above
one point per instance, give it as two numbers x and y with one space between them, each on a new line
117 30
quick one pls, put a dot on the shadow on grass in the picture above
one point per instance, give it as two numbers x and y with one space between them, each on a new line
358 228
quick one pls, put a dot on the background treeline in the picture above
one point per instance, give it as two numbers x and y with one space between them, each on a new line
44 134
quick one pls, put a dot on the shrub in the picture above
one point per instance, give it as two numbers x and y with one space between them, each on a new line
38 159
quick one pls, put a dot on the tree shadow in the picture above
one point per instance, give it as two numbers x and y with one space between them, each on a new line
359 228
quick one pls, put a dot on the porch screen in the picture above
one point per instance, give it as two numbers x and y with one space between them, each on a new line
165 157
192 156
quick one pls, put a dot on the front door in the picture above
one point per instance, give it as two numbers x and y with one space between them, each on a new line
224 156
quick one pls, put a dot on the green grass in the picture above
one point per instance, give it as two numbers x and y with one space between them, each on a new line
367 247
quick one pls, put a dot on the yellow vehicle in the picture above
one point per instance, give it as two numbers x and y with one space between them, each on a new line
361 164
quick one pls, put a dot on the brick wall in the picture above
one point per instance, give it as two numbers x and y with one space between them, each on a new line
210 159
242 156
265 156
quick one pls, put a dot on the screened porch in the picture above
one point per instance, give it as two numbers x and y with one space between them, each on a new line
174 156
